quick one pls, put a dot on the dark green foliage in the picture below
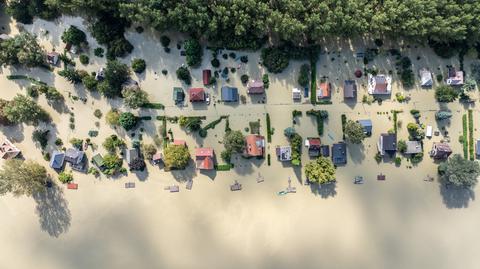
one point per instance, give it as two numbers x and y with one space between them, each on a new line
244 59
446 93
116 74
184 74
84 59
274 59
71 75
244 78
24 110
108 29
74 36
25 10
23 50
234 141
266 81
215 63
303 77
127 120
99 52
321 115
138 65
165 41
470 135
194 52
90 82
459 172
153 106
269 129
137 165
41 136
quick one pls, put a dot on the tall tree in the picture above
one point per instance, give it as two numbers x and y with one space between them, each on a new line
320 171
459 171
22 177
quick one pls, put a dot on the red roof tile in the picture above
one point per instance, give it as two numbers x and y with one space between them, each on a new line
196 94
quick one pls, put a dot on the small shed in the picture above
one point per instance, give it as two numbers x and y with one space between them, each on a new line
229 94
178 95
255 87
350 89
207 74
413 147
367 126
8 150
97 160
131 155
426 79
296 94
284 153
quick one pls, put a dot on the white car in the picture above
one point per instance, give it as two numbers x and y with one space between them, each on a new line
207 98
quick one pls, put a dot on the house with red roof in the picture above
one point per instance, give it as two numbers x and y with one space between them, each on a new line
313 145
204 158
324 90
196 94
179 142
254 146
8 150
379 84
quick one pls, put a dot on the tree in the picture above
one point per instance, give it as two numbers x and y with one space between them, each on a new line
52 94
193 51
65 177
446 93
116 74
24 110
289 132
138 65
469 85
134 97
165 41
184 74
84 59
71 75
112 164
303 77
190 123
274 59
25 10
149 150
354 132
22 177
459 171
41 136
176 156
74 36
320 171
402 146
443 115
234 141
3 117
127 120
112 142
112 117
76 142
90 82
22 50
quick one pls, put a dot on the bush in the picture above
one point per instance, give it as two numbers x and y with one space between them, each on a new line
378 157
226 156
398 161
90 82
58 142
244 59
244 78
76 143
439 77
184 74
134 98
99 52
32 91
149 150
65 177
193 51
71 75
74 36
274 59
97 113
84 59
266 81
138 65
165 41
127 120
112 117
303 77
215 63
41 136
112 142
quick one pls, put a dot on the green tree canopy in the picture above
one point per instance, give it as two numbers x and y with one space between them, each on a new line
22 177
176 156
23 50
134 97
74 36
354 132
24 110
446 93
234 141
459 171
116 74
138 65
127 120
320 171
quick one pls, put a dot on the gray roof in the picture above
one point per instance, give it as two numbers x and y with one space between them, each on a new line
366 124
477 149
389 142
339 153
350 89
57 159
131 155
229 94
413 147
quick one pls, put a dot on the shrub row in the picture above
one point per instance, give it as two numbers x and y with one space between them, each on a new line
465 141
470 134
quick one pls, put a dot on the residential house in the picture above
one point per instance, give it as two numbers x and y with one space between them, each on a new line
229 94
426 79
57 159
52 58
284 153
76 158
8 150
379 84
313 146
255 87
255 146
296 94
367 126
98 161
207 74
324 90
204 158
178 95
131 155
339 153
350 89
454 78
196 95
413 147
387 144
440 151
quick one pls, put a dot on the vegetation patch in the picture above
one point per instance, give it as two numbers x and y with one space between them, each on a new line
465 135
320 115
153 106
470 135
269 129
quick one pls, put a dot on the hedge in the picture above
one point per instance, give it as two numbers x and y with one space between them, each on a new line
269 132
313 80
465 141
145 118
223 167
470 134
153 106
344 122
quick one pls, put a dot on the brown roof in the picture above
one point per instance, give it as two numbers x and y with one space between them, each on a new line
204 158
380 84
255 145
255 87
